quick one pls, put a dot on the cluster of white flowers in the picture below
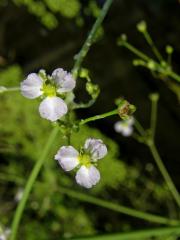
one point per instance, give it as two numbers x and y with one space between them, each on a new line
52 88
85 160
125 127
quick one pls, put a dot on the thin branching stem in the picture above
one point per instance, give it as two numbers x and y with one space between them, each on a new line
164 173
101 202
97 117
152 45
34 173
154 97
144 57
89 41
149 141
118 208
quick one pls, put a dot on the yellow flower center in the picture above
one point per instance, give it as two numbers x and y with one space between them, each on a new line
85 160
49 90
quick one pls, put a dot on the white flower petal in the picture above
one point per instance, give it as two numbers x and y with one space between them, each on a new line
52 108
96 147
31 86
125 127
67 157
118 126
2 237
87 177
127 131
64 81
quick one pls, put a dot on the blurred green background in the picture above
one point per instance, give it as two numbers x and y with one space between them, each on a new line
47 34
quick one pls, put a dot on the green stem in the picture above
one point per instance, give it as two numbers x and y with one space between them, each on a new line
136 51
118 208
30 182
143 56
152 45
169 59
12 89
139 127
8 89
89 41
174 75
84 105
103 203
154 99
164 173
97 117
138 235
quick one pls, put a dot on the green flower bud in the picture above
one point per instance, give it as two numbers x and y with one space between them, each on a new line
151 65
169 49
138 62
92 89
142 26
122 39
84 73
154 97
42 74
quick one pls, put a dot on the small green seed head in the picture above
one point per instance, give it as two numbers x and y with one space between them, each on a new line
142 26
154 97
169 49
122 39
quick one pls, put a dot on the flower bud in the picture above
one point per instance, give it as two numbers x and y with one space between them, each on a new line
141 26
169 49
122 39
154 97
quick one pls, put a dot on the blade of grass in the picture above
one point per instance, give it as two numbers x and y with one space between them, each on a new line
138 235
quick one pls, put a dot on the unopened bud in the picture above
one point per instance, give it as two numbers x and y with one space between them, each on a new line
92 89
169 49
141 26
84 73
154 97
122 39
151 65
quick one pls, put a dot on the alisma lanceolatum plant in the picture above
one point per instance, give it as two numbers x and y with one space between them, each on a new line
57 103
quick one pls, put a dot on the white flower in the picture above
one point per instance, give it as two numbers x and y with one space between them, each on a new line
125 127
96 148
69 158
52 107
4 235
19 194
